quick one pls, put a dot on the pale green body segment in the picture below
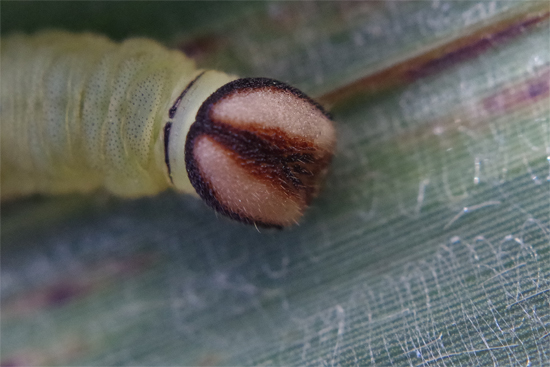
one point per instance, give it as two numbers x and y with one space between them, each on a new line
80 112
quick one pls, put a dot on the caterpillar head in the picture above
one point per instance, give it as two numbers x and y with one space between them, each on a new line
258 151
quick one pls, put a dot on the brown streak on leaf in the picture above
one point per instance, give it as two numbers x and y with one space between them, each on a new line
65 291
523 96
518 95
200 47
440 57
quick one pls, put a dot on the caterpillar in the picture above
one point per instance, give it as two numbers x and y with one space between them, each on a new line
80 112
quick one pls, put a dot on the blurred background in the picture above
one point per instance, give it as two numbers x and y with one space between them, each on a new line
429 245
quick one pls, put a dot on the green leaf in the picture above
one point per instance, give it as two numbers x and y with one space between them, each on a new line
430 244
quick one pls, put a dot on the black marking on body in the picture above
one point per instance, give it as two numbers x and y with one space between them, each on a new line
174 108
167 129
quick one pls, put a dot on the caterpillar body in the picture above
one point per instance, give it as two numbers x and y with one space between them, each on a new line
79 112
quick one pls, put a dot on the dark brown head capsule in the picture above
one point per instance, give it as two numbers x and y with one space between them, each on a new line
258 151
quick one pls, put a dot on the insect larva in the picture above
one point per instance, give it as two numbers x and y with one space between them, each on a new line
80 112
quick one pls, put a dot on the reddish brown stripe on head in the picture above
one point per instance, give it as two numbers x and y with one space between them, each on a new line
258 151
